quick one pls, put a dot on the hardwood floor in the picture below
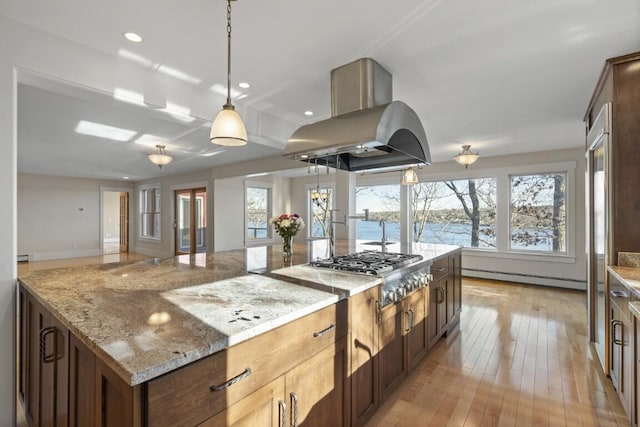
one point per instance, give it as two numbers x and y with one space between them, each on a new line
23 267
520 358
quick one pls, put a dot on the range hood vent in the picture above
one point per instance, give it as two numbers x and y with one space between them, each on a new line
367 129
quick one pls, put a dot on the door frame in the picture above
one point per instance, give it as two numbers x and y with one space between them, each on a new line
173 218
104 189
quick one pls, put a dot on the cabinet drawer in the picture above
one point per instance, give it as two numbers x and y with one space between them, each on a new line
440 268
196 392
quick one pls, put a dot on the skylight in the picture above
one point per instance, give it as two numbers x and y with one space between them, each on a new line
85 127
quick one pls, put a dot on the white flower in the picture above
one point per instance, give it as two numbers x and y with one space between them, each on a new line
285 223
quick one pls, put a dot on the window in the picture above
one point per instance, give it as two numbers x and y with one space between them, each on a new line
258 208
383 203
538 212
319 212
461 212
150 212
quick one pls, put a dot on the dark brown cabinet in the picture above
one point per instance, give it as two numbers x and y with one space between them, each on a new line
416 310
445 302
392 352
622 346
364 315
43 383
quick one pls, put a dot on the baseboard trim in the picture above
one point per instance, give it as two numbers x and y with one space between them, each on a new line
44 256
533 279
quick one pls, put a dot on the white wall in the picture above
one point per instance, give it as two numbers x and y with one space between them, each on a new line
59 217
8 127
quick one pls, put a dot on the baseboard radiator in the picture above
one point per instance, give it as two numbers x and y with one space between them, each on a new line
23 258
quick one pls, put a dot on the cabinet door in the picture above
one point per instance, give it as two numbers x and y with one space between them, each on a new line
417 306
46 370
392 349
315 390
437 310
264 407
626 372
82 366
117 403
364 365
444 305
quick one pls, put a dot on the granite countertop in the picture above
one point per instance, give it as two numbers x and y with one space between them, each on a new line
146 318
629 277
352 284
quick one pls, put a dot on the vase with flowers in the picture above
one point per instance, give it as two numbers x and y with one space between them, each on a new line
287 226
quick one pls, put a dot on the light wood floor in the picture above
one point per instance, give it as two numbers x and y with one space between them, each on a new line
520 358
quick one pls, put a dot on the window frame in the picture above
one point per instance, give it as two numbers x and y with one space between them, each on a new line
265 186
142 189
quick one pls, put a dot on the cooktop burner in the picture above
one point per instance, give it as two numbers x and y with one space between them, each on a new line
368 262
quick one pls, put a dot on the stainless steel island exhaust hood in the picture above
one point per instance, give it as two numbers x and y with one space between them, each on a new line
367 130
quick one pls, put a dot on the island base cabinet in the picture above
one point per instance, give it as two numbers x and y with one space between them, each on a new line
363 312
43 362
393 349
97 395
311 394
315 390
264 407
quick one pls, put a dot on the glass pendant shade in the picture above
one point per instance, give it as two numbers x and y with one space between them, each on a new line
409 177
228 128
160 158
466 157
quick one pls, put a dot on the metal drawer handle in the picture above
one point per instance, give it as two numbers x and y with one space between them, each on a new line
324 331
439 295
440 269
294 410
615 323
378 312
44 332
408 321
411 317
621 294
232 381
283 413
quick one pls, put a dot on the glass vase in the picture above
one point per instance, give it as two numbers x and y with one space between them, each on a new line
287 244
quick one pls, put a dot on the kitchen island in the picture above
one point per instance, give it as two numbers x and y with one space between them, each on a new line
190 339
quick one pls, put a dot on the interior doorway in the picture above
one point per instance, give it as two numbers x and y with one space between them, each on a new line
191 221
115 222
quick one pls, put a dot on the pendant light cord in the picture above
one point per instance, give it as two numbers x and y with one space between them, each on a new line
229 52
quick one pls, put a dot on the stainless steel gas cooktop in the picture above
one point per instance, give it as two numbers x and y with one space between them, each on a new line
368 262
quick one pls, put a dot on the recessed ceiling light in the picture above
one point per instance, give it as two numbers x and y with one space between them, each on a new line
133 37
308 113
104 131
244 85
125 177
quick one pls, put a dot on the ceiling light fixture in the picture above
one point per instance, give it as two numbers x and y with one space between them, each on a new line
318 197
228 128
244 85
160 158
409 177
466 157
133 37
308 113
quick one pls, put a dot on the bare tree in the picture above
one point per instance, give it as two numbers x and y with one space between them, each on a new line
538 210
472 212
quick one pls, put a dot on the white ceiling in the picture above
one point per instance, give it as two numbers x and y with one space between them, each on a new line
507 76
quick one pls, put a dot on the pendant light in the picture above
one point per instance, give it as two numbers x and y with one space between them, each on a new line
409 177
466 157
318 197
228 128
160 158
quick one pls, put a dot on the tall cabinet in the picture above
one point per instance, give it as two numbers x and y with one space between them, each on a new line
613 178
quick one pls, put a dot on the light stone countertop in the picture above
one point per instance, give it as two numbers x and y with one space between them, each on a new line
146 318
354 283
629 277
